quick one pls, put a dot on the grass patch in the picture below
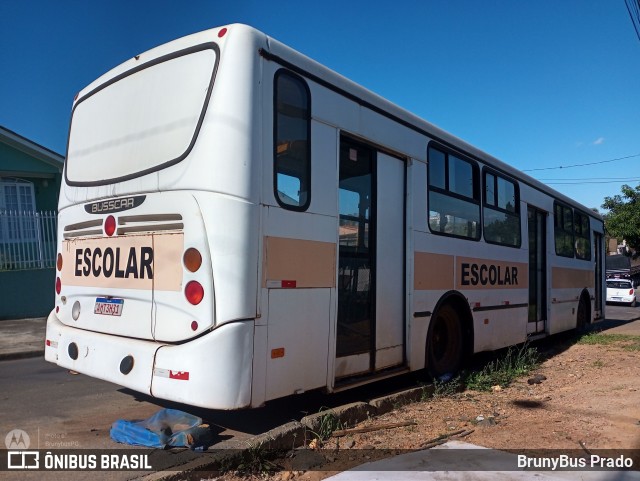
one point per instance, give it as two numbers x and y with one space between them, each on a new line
624 341
518 361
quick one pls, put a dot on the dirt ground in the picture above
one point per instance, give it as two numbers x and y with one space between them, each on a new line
590 399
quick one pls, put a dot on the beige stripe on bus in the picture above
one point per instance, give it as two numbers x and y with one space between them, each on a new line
308 263
566 278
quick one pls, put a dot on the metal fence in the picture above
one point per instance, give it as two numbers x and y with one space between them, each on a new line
27 240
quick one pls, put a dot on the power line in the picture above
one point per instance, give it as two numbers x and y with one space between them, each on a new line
582 165
595 182
584 179
635 15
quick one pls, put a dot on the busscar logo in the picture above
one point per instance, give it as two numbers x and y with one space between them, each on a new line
114 205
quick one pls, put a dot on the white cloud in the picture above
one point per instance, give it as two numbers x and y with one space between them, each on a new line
598 141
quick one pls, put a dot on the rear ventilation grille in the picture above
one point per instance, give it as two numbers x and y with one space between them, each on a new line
83 229
149 223
127 224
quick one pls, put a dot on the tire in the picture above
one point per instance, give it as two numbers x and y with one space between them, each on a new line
582 319
633 304
444 343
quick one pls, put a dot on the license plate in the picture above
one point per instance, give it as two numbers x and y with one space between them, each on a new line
108 307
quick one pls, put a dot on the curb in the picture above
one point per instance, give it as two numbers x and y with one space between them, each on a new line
295 433
11 356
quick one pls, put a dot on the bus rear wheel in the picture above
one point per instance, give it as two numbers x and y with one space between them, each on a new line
444 343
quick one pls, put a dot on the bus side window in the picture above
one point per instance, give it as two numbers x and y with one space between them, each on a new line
583 236
563 230
292 141
454 195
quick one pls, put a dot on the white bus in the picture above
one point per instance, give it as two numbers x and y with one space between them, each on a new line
238 223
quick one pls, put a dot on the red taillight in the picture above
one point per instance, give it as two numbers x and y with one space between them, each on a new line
194 326
194 292
630 292
110 225
222 33
58 285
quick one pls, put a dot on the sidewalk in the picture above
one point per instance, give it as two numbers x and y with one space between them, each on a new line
22 338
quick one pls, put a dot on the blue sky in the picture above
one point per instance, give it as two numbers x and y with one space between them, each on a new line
537 84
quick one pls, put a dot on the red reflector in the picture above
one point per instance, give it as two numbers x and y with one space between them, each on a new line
194 292
48 343
276 353
110 225
181 375
288 284
222 33
58 285
194 326
57 309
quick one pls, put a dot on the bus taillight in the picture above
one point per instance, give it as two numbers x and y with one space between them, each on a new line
110 225
59 262
194 292
192 259
58 285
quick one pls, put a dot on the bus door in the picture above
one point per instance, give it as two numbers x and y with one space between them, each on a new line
370 329
599 250
537 222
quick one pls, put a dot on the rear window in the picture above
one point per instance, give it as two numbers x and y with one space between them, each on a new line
619 284
141 121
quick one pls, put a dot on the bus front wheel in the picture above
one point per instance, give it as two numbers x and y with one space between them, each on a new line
444 343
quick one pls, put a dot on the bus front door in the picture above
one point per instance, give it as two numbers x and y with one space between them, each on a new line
370 323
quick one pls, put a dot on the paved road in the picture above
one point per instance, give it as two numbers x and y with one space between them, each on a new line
61 410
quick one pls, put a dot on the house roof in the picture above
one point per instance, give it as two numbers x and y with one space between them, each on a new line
35 150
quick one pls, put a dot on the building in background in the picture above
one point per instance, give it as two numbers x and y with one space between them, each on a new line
30 177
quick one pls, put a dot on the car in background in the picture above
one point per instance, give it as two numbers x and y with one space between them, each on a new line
621 290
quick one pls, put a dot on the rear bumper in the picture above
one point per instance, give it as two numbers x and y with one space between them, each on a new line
213 371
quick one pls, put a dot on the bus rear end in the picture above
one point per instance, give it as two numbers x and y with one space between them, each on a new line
156 269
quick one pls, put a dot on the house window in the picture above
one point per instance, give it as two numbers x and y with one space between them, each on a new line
454 196
17 197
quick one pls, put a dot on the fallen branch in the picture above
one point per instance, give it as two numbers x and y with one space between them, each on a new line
346 432
583 446
443 438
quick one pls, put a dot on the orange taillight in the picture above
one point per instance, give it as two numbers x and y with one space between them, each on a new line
59 262
192 259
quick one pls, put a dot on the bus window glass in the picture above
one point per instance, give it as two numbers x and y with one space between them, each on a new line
292 148
506 195
583 234
453 205
460 177
436 168
453 216
563 230
490 189
501 212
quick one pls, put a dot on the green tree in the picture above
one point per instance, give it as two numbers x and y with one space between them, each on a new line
622 220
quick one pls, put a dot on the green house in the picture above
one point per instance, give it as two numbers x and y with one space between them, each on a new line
30 177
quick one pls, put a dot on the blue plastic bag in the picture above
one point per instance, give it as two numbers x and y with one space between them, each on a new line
166 428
